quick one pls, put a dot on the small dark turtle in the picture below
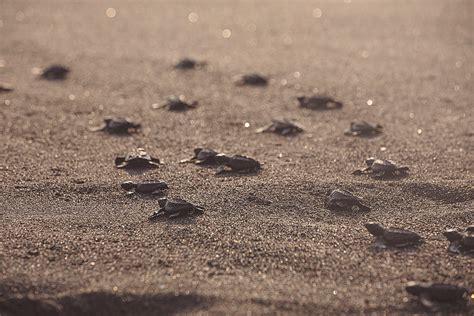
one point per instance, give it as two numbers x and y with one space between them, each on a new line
460 242
237 163
343 200
393 237
137 159
282 127
55 72
145 187
380 168
5 88
117 126
363 128
173 208
178 104
203 156
319 102
188 63
431 295
252 80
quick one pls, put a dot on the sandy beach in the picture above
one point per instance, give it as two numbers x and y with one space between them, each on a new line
73 243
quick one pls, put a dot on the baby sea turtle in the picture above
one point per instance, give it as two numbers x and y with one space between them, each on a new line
145 187
380 168
362 128
343 200
252 79
203 156
55 72
282 127
188 63
432 295
178 104
319 102
392 237
173 208
5 88
117 126
137 159
237 163
460 242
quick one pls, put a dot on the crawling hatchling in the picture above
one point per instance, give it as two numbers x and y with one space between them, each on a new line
392 237
319 102
136 159
173 208
203 156
188 63
55 72
283 127
5 88
461 243
177 104
252 79
117 126
343 200
362 128
382 168
144 187
237 164
436 295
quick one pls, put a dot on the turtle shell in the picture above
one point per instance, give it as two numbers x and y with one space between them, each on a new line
148 187
239 162
341 199
319 102
252 79
438 292
55 72
204 155
120 125
282 127
400 237
186 63
379 165
363 128
137 159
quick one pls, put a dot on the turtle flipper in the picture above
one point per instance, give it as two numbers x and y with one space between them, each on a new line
156 214
99 128
120 162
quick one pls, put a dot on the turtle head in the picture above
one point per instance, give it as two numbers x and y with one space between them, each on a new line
128 185
370 161
452 235
375 228
162 202
414 288
301 99
197 150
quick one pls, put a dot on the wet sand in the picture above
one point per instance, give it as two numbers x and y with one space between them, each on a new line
71 241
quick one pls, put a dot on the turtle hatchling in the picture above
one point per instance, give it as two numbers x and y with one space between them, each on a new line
237 163
343 200
117 126
380 168
252 80
178 104
319 102
137 159
145 187
188 63
392 237
5 88
460 243
362 128
55 72
173 208
203 156
432 295
282 127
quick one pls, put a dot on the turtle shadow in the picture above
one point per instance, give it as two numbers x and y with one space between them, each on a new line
235 174
388 178
378 247
365 136
183 220
138 171
147 197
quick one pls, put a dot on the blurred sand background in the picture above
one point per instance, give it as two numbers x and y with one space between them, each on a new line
72 243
